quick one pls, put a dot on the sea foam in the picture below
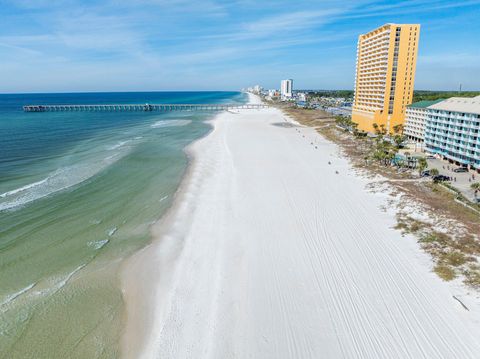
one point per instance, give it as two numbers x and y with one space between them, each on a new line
98 244
13 296
24 188
60 283
112 231
171 123
61 179
118 144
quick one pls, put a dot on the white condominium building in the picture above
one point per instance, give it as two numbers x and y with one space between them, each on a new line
415 118
286 88
452 130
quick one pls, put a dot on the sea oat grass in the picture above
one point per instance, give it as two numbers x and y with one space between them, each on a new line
455 259
445 272
472 278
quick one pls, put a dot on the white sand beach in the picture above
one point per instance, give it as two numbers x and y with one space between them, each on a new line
268 252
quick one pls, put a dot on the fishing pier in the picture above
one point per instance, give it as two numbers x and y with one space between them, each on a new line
143 108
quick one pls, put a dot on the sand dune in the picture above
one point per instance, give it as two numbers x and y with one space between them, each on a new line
269 253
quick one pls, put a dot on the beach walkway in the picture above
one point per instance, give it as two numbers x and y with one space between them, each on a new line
272 252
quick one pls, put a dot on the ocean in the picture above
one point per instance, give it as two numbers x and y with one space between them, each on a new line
78 193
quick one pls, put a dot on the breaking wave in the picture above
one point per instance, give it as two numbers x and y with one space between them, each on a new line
12 297
65 177
112 231
21 189
98 244
171 123
119 144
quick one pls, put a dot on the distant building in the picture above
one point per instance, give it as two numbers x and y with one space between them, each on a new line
415 118
301 96
257 89
452 130
286 89
385 74
273 93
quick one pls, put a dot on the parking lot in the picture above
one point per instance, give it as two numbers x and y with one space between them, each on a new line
462 181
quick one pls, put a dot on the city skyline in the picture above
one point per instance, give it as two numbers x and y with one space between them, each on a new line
150 45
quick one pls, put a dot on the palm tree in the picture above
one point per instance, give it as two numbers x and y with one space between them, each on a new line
398 140
390 155
398 129
383 130
398 137
354 127
422 165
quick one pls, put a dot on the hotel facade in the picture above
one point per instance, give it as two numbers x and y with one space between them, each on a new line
415 118
452 130
385 74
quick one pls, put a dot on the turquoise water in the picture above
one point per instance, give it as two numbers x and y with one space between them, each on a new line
78 192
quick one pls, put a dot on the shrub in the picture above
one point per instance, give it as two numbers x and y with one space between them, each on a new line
445 272
436 237
454 258
468 244
472 278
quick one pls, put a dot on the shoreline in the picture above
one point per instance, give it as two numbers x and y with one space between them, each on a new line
207 274
143 261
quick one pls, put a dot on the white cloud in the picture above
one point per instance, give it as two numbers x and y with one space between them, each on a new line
163 41
284 23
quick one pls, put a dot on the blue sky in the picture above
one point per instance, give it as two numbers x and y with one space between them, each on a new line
113 45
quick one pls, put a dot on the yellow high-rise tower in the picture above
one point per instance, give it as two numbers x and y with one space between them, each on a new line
386 60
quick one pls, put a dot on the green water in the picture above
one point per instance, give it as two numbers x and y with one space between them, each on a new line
70 217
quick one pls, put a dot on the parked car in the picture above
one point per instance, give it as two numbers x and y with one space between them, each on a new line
441 178
460 169
425 173
430 157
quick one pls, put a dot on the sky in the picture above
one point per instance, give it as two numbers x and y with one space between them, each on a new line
177 45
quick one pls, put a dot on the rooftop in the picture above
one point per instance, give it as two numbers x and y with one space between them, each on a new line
424 104
384 27
459 104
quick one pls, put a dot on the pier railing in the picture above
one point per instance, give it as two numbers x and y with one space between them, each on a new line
136 107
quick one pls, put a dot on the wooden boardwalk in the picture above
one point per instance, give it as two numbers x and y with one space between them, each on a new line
137 107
